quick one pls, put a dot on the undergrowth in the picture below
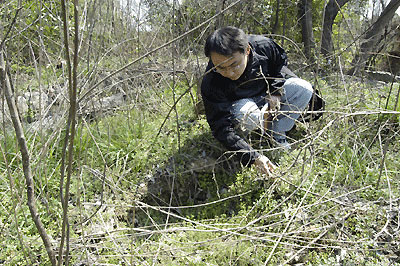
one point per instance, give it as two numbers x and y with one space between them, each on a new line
155 190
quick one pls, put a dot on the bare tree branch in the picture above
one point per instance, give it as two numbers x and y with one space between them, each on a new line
72 85
372 34
25 158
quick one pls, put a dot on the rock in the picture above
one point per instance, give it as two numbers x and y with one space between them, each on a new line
94 108
382 76
36 100
22 104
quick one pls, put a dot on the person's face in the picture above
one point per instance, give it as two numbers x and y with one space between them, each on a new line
231 67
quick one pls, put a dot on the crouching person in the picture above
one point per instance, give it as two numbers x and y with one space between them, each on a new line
245 84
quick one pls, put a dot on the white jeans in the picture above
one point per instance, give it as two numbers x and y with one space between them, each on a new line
295 98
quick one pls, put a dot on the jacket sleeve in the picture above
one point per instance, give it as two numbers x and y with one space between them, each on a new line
277 60
221 122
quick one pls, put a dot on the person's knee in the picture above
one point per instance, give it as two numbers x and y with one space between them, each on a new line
298 90
247 114
298 85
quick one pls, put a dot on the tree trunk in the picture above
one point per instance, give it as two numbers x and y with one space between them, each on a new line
371 36
331 10
305 13
284 22
276 21
394 55
220 19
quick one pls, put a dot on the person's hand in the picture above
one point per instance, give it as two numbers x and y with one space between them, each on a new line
274 103
264 165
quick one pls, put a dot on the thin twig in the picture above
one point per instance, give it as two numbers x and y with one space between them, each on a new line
10 28
25 159
159 48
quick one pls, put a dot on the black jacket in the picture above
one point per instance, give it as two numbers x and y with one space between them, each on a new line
219 92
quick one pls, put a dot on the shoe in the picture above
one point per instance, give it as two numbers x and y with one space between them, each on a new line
283 144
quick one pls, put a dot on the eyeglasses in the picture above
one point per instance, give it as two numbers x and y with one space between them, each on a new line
232 67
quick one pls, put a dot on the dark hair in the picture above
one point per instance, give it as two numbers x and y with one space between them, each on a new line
226 41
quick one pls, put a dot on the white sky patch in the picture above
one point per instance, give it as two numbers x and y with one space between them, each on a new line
137 7
376 7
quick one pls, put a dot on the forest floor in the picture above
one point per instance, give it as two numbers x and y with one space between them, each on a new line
153 187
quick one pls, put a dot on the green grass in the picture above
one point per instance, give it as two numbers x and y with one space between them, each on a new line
322 208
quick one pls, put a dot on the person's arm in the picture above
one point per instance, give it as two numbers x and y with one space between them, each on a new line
277 61
221 121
